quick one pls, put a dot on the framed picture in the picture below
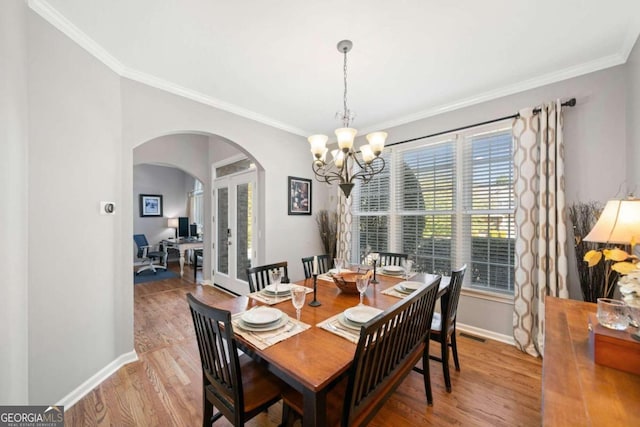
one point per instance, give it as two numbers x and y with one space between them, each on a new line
150 205
299 196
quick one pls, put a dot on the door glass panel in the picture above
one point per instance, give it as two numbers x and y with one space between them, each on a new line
243 225
223 228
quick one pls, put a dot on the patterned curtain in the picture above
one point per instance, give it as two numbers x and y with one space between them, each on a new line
541 242
345 220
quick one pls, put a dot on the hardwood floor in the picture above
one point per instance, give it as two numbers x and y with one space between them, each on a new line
497 385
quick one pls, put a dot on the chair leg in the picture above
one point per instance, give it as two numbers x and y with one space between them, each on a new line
207 413
454 348
445 362
426 375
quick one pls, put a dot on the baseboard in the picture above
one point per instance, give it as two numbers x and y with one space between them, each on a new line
206 283
484 333
72 398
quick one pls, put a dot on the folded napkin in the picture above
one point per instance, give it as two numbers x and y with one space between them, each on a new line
264 339
394 293
272 299
333 325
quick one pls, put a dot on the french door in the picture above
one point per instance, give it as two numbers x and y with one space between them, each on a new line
234 221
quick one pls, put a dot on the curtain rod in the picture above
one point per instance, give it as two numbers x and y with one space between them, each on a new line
570 103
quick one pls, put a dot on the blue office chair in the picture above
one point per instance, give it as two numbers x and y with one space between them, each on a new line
148 257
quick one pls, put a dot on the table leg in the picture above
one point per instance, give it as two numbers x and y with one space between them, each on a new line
315 409
181 262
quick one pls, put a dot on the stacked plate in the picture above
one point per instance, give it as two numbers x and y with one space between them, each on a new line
357 316
408 287
284 289
262 319
393 270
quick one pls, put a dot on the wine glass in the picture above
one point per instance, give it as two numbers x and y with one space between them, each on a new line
298 295
338 262
361 283
407 264
276 276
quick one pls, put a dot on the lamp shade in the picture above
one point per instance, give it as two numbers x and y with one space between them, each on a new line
619 223
345 138
173 223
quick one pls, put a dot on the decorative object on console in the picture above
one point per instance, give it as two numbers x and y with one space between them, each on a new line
619 223
345 158
583 216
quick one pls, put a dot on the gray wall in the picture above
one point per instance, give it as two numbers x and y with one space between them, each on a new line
14 319
74 163
171 184
595 144
633 120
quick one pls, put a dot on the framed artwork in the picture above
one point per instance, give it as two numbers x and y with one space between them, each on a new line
150 205
299 196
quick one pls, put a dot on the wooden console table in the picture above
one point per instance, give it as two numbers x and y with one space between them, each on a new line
575 390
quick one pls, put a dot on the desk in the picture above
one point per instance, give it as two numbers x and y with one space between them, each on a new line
183 245
314 360
575 390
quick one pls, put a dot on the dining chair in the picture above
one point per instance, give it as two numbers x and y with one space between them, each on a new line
388 347
443 327
324 265
238 387
260 276
391 258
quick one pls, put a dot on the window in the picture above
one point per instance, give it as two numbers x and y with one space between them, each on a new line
445 201
197 204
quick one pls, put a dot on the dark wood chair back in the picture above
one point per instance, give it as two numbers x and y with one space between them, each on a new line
388 348
260 276
324 265
221 376
391 258
449 301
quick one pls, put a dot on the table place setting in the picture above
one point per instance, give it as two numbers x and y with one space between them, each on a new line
270 295
264 326
348 323
405 288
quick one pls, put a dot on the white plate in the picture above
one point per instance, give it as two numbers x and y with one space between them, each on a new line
347 323
361 313
263 328
393 269
411 286
401 289
261 316
283 288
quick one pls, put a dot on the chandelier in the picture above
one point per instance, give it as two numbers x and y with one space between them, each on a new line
347 164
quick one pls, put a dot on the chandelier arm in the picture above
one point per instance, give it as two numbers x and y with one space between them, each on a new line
368 171
324 172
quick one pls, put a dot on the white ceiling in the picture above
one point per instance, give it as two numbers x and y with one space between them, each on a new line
276 61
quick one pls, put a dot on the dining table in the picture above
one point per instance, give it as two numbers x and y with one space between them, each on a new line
315 359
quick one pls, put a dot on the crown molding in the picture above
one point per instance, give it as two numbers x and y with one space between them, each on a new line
55 18
567 73
46 11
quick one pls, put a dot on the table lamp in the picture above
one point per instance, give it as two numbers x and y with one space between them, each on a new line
173 223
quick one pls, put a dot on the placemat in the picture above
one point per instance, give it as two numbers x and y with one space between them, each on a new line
333 325
266 339
272 299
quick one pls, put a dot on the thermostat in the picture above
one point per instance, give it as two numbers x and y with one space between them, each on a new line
107 208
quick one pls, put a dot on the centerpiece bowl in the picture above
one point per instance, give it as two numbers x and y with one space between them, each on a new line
346 282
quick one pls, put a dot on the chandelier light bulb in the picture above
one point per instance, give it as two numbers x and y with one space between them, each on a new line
318 145
376 140
345 138
367 153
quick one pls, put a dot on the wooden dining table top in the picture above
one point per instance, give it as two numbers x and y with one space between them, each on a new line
316 358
